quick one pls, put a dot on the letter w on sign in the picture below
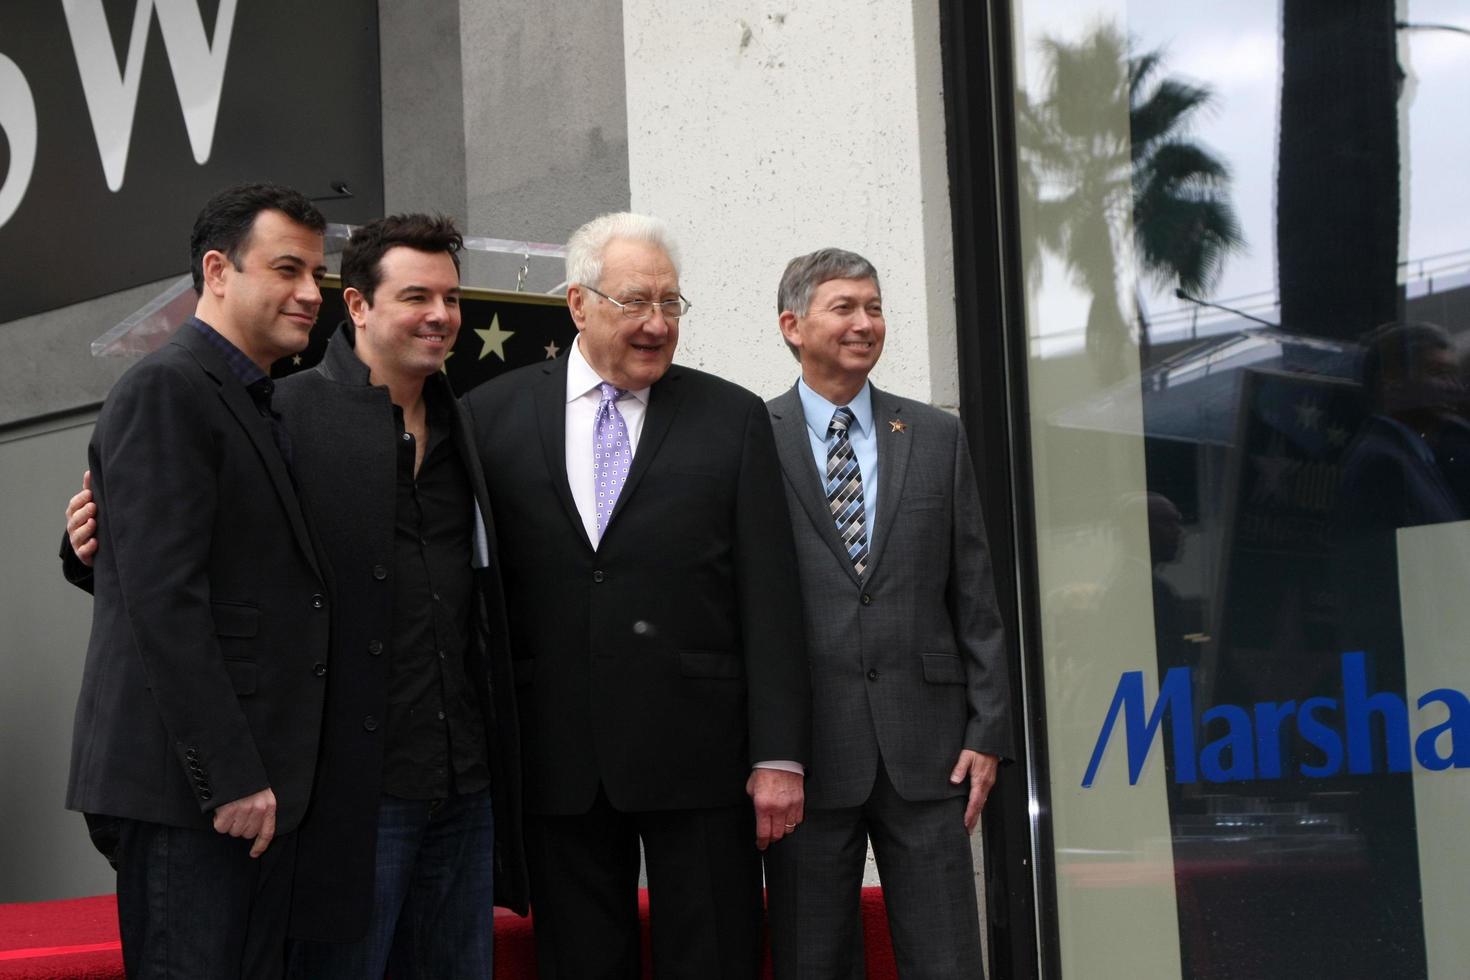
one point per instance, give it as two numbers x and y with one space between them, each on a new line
112 95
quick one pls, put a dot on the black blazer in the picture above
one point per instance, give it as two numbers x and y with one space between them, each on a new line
343 432
201 683
666 661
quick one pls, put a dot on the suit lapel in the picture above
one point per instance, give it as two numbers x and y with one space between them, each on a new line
550 395
663 405
793 445
893 462
239 404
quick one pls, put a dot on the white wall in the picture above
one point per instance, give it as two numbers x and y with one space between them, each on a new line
763 129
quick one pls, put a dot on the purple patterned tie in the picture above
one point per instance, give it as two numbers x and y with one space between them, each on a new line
612 454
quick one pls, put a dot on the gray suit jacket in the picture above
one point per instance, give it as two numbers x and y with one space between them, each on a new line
908 662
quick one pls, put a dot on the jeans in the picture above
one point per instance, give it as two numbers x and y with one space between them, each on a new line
194 904
433 897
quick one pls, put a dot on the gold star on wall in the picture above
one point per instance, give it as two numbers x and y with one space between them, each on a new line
493 339
295 360
551 351
445 366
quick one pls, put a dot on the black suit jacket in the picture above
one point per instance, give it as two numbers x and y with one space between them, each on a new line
210 619
667 660
344 434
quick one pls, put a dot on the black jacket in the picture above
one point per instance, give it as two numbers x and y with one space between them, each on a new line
342 431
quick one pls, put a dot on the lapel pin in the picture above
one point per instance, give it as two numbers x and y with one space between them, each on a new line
894 425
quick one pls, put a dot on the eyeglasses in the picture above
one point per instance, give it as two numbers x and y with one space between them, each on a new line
641 309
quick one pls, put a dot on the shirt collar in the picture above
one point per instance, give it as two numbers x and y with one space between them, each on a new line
242 367
818 410
581 378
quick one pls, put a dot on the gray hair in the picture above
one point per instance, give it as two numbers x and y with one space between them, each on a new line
806 272
588 243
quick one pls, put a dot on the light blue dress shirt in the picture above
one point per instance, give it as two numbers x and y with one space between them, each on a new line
860 434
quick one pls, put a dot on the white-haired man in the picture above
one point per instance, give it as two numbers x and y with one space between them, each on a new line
655 624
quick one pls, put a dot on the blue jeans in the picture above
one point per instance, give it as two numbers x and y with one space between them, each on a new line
194 903
433 897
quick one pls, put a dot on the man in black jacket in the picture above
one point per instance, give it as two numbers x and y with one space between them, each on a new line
200 709
419 732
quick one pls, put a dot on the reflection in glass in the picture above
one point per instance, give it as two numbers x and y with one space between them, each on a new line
1244 231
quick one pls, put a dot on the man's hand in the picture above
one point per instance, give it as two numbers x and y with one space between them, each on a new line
980 768
779 798
81 522
253 816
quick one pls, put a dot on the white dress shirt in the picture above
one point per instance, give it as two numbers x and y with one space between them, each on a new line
583 397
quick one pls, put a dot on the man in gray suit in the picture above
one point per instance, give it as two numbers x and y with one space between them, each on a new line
910 698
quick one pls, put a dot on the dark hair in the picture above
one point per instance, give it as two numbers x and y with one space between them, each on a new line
362 258
225 222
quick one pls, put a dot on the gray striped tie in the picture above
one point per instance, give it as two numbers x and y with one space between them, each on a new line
845 490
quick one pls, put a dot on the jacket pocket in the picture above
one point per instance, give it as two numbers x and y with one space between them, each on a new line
943 668
707 663
235 618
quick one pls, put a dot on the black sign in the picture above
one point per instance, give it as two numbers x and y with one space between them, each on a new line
119 118
498 331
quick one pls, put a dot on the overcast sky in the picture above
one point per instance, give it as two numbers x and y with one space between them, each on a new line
1234 49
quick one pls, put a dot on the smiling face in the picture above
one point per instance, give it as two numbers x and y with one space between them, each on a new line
623 352
410 326
267 305
840 338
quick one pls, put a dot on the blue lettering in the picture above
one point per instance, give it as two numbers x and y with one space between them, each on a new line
1176 699
1320 737
1236 741
1257 739
1269 717
1359 707
1455 726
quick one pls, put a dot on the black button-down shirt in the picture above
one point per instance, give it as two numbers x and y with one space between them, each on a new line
435 742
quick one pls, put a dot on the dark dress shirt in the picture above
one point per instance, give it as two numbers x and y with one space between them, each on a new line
435 745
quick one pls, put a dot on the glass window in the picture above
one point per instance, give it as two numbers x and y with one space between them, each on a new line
1246 241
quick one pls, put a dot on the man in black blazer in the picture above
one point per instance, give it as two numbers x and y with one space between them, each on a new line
401 839
414 830
910 697
200 709
655 625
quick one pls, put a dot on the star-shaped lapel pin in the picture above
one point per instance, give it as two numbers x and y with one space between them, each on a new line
894 425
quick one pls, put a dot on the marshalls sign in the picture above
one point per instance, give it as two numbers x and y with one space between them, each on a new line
119 117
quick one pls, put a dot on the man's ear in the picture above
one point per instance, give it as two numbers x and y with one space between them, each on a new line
790 328
214 266
357 305
577 305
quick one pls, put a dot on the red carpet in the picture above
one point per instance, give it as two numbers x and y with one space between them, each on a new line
76 939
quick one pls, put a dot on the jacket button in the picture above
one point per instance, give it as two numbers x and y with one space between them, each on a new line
379 572
370 723
597 576
319 670
375 647
867 599
318 601
872 675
